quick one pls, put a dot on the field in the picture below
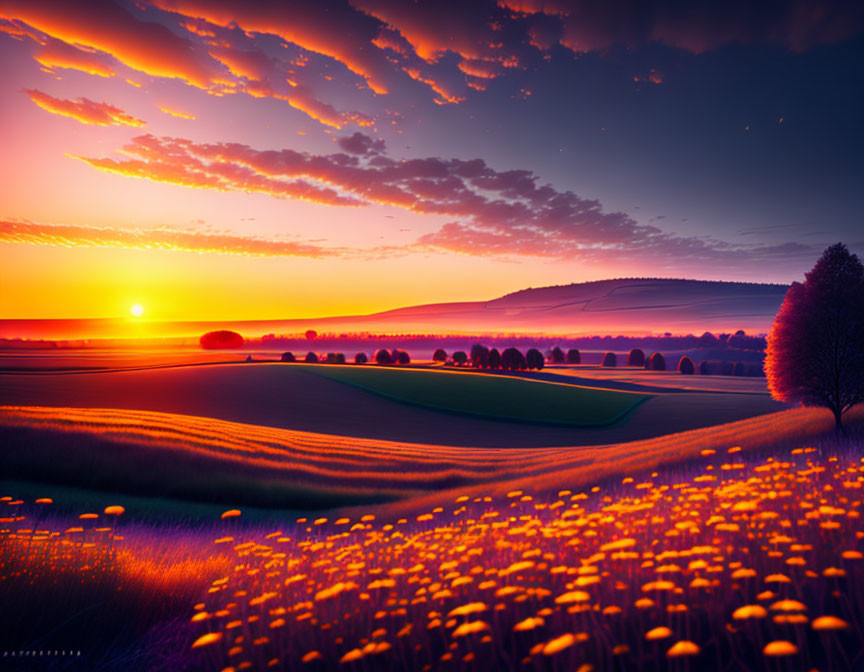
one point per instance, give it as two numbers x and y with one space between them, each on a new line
693 527
484 395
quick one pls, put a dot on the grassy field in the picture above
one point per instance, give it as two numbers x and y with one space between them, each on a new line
488 395
207 460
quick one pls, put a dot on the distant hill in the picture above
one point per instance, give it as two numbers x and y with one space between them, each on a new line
621 306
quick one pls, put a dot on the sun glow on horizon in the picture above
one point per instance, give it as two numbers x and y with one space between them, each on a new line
137 310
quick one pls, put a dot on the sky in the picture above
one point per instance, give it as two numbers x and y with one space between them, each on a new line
221 159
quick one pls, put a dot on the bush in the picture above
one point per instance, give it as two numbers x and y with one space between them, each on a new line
704 368
726 368
636 357
311 358
402 357
740 369
221 340
557 355
656 362
512 359
460 358
340 357
382 356
360 358
330 358
494 359
573 356
685 366
439 355
288 357
534 359
610 359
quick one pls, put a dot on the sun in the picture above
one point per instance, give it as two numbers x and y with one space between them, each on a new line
137 310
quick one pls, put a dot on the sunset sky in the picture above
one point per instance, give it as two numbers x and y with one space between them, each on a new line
219 159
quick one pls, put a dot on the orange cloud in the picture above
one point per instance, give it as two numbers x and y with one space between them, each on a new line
84 110
58 54
107 27
176 113
30 233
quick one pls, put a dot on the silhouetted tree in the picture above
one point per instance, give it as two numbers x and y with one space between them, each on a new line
707 340
685 366
512 359
221 340
402 357
494 359
704 368
330 358
311 358
656 362
636 357
815 352
460 358
360 358
288 357
479 356
311 335
557 355
340 357
610 359
382 356
573 356
740 369
534 359
439 355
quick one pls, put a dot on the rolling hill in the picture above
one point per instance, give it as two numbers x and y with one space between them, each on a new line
631 305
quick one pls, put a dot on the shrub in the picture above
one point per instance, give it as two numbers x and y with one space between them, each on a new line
557 355
460 358
726 368
494 359
636 357
439 355
573 356
382 356
360 358
288 357
814 354
740 369
402 357
311 358
610 359
704 368
330 358
656 362
340 357
221 340
685 366
534 359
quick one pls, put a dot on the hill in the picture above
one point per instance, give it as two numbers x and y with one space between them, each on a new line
628 305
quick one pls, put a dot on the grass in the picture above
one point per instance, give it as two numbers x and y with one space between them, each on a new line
489 396
189 458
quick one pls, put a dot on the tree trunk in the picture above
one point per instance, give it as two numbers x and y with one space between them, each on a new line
838 419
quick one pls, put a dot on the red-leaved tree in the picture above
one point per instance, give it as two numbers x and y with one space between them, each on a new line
815 352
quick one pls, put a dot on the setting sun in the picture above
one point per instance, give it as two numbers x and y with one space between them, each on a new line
137 310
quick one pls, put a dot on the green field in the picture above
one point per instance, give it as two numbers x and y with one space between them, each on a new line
488 395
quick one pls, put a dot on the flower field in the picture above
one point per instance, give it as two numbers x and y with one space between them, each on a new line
735 562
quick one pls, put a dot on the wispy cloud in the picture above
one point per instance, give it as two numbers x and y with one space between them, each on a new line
84 110
31 233
492 213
